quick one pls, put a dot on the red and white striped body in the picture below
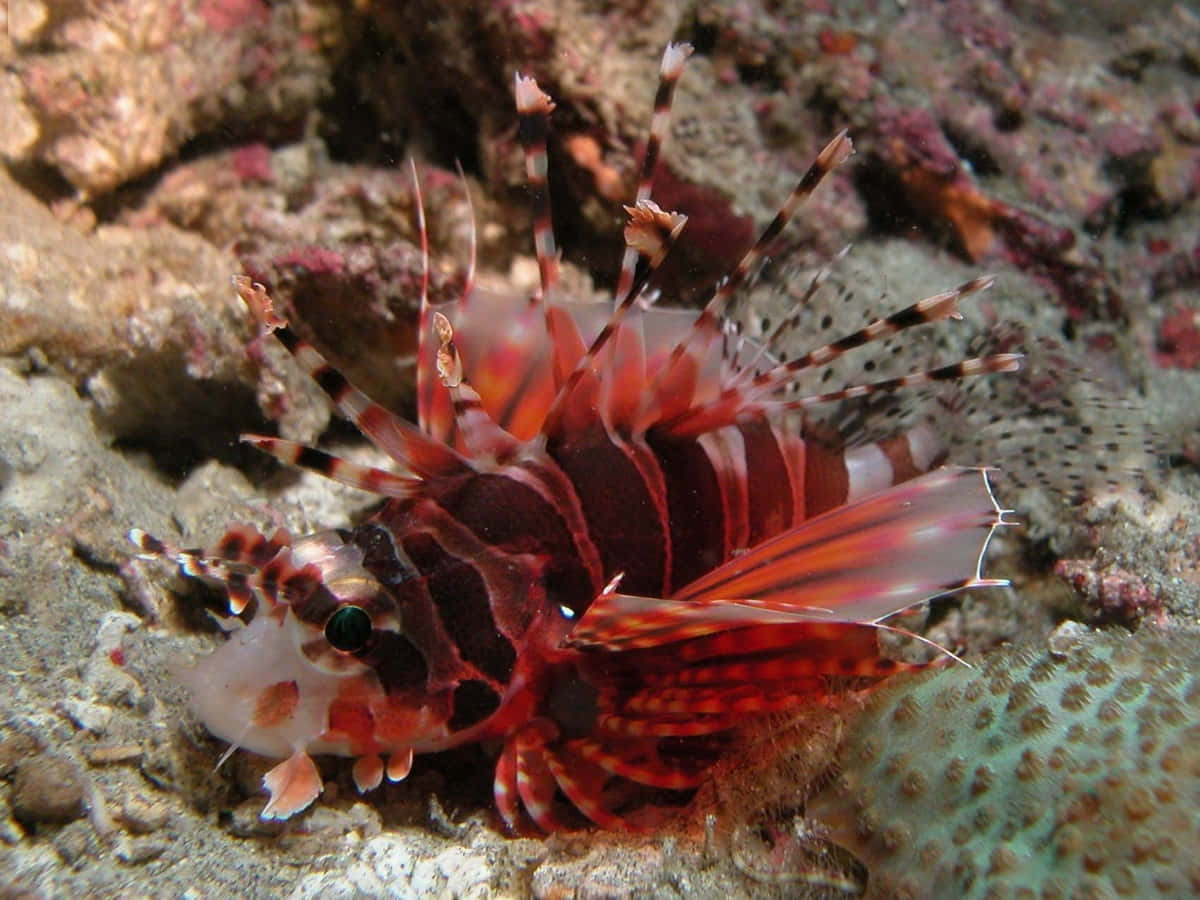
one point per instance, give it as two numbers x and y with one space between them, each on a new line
608 542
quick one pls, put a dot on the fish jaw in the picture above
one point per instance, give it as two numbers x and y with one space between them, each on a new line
259 692
255 690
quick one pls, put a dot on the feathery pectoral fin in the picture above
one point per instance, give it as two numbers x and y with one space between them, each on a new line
857 563
293 784
793 620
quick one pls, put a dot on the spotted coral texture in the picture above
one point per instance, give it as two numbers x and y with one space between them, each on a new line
1074 774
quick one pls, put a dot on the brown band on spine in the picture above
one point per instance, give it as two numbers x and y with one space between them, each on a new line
694 508
767 481
464 606
511 517
899 454
826 482
626 517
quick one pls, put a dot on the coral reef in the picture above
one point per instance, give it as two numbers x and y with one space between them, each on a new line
106 92
1067 772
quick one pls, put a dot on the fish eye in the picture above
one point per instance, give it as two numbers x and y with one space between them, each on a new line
348 629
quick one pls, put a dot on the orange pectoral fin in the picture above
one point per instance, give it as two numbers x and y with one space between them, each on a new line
869 559
857 563
792 620
293 784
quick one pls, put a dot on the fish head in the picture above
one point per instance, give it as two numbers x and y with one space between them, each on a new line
322 665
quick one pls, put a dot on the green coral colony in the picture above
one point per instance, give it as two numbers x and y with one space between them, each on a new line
1039 774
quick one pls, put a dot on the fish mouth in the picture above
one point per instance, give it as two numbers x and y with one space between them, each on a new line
256 691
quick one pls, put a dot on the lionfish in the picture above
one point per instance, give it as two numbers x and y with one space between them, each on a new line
606 543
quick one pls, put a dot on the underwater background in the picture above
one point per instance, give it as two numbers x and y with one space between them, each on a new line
154 148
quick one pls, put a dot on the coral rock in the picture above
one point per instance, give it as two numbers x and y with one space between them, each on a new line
1074 772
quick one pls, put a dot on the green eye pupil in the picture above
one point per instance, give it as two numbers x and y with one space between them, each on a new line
348 629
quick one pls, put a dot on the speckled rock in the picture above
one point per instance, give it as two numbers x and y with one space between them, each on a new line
13 749
602 874
106 91
141 814
48 789
1071 774
145 321
419 865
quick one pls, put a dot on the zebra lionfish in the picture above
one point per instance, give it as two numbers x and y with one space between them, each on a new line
606 542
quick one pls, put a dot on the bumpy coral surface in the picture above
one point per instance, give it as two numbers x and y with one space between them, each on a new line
1073 773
